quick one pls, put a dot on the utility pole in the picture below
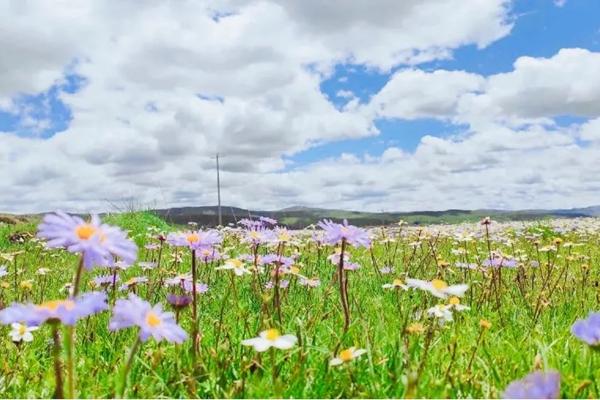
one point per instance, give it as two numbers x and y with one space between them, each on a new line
219 192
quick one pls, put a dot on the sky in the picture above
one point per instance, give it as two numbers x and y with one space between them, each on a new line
370 105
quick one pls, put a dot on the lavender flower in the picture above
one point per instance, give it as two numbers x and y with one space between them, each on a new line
284 283
132 282
351 266
537 385
249 223
588 330
200 287
208 254
195 239
499 262
3 271
99 243
106 280
334 233
151 320
179 302
277 260
259 235
67 311
147 265
268 221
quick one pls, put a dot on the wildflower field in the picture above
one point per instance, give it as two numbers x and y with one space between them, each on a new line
131 306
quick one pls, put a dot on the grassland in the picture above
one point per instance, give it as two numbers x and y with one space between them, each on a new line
531 308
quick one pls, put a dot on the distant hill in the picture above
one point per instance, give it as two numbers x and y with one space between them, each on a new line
300 217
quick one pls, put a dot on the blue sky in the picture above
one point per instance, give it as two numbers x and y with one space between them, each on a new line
97 105
541 29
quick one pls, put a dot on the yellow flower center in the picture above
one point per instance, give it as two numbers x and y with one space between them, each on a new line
346 355
22 330
53 305
85 231
272 334
439 284
235 263
397 282
153 320
255 235
193 238
454 301
294 270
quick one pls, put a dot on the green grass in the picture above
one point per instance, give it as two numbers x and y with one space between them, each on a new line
506 352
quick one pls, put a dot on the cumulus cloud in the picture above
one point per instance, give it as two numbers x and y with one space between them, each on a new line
413 93
168 85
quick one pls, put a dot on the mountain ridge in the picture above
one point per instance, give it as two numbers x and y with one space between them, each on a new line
301 216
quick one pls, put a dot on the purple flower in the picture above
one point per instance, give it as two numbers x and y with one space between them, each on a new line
268 221
277 260
537 385
99 243
334 233
208 254
132 282
259 235
588 330
178 280
151 320
335 257
350 266
500 262
200 287
284 283
67 311
146 265
195 239
105 280
3 271
386 270
179 302
249 223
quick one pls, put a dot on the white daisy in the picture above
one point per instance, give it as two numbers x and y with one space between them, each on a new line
271 338
21 333
236 265
438 287
441 312
346 356
396 284
454 304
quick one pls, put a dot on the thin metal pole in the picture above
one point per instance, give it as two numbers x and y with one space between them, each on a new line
219 192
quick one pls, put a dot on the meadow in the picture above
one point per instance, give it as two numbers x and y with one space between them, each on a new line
330 311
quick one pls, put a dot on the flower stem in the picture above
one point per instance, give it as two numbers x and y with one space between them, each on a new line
194 311
58 391
344 288
77 280
69 338
127 368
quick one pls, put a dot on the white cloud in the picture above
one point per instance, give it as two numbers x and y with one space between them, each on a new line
590 131
168 86
413 93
